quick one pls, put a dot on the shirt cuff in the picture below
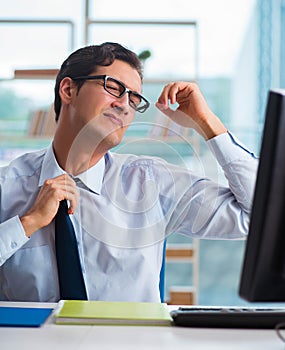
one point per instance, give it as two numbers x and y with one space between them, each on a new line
12 237
227 148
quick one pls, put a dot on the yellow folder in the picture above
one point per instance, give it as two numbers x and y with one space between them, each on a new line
113 313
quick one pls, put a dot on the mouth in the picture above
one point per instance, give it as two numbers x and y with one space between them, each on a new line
114 119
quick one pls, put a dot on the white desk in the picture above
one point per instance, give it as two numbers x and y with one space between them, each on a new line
63 337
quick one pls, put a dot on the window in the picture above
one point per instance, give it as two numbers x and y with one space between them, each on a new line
238 57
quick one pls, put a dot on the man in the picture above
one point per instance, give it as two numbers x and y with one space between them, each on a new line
121 206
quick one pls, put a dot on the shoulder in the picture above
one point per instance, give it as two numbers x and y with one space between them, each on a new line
25 165
118 160
156 168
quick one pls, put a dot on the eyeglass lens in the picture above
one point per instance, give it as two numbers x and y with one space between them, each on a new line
115 88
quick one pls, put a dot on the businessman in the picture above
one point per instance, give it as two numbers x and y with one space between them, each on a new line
121 206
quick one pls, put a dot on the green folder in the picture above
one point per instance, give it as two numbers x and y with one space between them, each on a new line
112 313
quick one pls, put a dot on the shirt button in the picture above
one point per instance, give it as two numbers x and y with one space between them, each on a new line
13 245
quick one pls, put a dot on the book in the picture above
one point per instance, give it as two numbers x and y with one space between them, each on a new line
48 123
35 122
42 122
23 316
113 313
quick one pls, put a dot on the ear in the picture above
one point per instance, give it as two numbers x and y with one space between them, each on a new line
66 89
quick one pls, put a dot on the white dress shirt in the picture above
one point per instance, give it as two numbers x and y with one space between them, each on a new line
127 206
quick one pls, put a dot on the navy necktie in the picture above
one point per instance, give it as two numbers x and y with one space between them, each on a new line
71 282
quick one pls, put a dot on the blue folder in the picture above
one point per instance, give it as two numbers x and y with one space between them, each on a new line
23 316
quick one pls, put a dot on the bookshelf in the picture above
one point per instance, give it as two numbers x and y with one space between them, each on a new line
184 253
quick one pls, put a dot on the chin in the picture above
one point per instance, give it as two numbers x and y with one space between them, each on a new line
113 140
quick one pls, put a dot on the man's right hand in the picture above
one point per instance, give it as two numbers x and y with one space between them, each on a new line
47 202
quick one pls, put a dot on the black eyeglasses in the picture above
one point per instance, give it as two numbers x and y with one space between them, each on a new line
118 89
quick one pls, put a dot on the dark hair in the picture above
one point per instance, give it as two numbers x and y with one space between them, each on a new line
85 61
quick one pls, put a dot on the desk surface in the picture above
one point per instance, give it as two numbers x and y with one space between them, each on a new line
63 337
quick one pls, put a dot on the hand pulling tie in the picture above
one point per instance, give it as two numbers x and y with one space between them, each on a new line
71 282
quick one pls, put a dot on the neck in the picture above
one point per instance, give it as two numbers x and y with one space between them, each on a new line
74 154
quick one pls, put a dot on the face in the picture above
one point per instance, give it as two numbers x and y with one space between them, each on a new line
104 117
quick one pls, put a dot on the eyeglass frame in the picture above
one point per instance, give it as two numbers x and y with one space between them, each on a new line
141 109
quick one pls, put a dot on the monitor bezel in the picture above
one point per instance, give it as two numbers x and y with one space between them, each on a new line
263 270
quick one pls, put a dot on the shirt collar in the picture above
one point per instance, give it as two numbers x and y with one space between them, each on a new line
91 178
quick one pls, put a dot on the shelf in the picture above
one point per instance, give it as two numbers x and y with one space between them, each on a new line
180 252
51 73
35 73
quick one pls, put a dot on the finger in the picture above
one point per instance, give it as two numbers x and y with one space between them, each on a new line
62 181
170 93
164 96
71 194
73 202
61 188
70 197
165 109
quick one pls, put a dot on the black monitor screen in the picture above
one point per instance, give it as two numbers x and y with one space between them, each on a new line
263 273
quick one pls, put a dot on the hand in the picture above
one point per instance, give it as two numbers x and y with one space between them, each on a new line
192 112
47 202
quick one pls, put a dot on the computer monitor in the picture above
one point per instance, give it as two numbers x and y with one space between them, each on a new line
263 271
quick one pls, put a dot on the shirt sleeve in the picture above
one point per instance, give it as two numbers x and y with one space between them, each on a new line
239 165
227 148
207 209
12 237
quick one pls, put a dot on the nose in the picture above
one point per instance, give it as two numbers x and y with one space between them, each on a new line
121 104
